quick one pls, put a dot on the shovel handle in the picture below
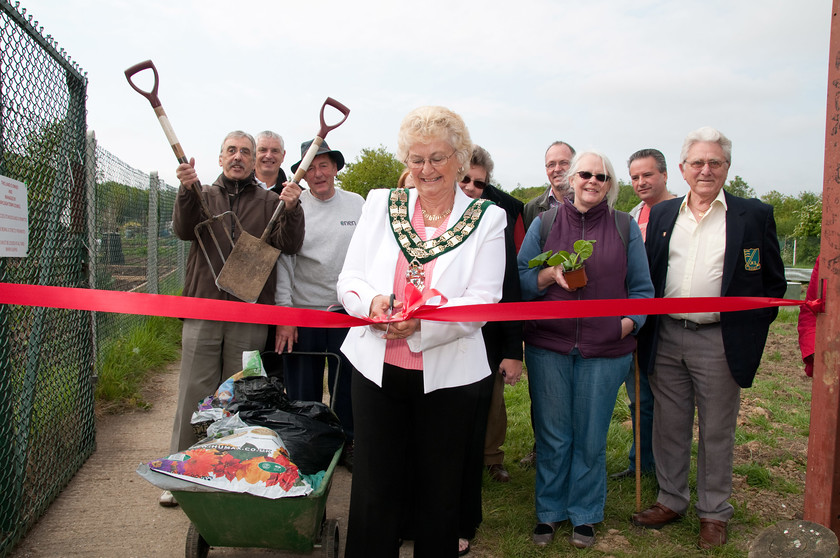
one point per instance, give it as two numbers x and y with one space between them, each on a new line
322 133
319 139
153 98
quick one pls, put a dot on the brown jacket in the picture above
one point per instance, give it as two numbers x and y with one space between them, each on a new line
253 206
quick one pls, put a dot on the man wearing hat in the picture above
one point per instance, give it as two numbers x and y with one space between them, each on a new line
308 279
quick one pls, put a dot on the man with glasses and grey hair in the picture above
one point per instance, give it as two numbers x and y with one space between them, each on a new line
649 177
708 243
212 350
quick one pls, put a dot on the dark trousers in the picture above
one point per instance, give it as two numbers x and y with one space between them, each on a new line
304 375
470 515
409 459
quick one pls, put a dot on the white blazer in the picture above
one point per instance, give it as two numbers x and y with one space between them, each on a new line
472 273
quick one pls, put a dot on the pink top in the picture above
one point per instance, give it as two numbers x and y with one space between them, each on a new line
397 352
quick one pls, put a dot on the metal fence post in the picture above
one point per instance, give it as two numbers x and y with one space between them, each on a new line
92 241
822 481
152 235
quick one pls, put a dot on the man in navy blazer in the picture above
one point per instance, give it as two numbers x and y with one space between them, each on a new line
707 243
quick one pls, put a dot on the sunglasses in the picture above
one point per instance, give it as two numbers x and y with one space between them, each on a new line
480 184
599 177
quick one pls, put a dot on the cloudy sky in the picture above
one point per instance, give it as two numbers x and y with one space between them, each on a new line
605 74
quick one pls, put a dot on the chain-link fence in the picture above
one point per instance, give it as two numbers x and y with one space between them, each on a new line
46 355
134 244
94 222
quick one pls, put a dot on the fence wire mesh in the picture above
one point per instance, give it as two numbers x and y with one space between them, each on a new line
94 222
46 356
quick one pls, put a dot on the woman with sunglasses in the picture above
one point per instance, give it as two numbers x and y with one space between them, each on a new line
576 365
503 341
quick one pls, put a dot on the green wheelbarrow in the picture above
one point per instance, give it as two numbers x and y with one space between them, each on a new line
235 519
232 519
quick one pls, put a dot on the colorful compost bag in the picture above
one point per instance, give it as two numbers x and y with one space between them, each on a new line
251 459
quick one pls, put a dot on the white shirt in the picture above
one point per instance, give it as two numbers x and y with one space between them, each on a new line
695 257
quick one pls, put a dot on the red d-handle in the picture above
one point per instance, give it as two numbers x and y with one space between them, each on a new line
152 95
322 133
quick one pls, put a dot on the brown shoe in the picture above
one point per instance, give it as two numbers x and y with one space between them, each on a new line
498 472
655 517
712 533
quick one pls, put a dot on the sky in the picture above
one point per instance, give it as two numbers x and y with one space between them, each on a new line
609 75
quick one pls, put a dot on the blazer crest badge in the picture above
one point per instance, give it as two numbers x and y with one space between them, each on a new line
752 259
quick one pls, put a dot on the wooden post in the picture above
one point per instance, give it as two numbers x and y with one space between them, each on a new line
822 483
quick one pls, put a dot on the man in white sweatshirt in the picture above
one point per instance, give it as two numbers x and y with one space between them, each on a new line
308 279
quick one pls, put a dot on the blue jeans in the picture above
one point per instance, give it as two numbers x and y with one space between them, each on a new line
645 402
572 399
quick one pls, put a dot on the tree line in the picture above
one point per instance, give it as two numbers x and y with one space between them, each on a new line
798 218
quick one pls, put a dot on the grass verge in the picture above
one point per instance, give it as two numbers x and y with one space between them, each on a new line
768 473
126 361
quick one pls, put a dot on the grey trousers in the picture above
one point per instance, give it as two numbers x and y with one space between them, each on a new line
691 369
211 352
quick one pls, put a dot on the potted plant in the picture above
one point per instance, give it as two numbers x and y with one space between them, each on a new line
573 269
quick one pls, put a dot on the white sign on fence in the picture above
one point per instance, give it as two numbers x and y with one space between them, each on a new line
14 219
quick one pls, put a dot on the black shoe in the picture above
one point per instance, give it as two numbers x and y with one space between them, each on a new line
628 472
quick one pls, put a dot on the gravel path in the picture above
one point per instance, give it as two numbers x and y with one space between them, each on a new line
107 510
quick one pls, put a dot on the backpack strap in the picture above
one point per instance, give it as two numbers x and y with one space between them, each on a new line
622 223
546 222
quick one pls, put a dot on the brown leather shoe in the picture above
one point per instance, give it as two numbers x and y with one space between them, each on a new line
655 517
712 533
498 472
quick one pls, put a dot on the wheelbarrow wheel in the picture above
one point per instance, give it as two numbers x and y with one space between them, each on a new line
196 547
330 539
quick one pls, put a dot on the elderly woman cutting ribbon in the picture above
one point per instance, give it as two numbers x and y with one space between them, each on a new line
416 389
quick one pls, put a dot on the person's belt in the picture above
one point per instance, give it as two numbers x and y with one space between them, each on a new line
693 326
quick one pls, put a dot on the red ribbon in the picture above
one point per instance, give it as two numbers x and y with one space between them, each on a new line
95 300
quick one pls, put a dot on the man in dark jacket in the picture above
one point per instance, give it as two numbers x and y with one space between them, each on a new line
705 244
271 152
212 350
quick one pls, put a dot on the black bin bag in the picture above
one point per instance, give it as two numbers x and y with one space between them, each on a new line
309 429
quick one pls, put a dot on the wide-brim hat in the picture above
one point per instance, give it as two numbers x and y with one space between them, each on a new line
323 149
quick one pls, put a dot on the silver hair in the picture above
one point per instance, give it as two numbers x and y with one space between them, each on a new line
612 193
272 135
240 134
481 158
708 134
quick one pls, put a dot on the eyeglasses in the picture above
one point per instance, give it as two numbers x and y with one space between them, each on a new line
480 184
436 161
586 175
698 165
562 164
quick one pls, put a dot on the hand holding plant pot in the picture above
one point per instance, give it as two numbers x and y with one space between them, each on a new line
572 264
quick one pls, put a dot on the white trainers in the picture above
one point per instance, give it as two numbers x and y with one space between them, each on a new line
167 500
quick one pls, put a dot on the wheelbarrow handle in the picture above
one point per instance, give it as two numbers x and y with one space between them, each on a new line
154 100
